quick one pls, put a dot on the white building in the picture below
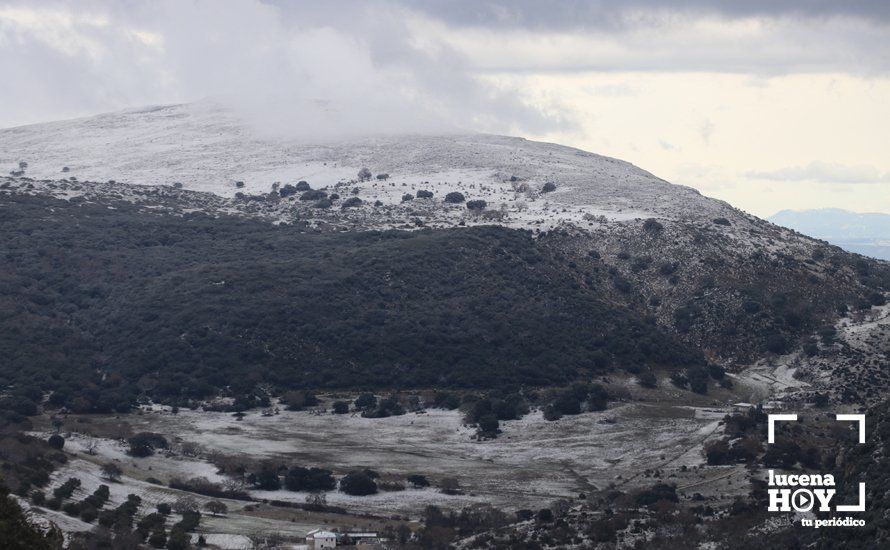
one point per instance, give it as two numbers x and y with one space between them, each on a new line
319 538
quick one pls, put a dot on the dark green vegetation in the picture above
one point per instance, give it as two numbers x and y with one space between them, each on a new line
16 533
101 305
735 293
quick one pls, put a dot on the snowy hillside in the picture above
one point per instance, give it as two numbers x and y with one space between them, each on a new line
207 148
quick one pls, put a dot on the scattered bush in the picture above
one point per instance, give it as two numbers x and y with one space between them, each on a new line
647 379
418 480
358 484
454 197
651 225
216 508
145 443
309 479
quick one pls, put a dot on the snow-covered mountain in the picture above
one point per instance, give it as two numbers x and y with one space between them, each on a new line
206 147
727 282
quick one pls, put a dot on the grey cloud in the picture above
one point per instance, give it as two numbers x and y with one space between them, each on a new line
273 63
580 14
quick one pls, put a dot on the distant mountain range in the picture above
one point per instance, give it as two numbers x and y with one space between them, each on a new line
864 233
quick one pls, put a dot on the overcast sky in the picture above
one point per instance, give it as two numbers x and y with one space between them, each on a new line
763 103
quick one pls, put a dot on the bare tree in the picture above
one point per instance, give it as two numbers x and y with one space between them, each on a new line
190 449
90 445
112 471
216 507
449 486
185 504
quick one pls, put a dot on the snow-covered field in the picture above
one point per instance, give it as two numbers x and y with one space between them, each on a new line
533 462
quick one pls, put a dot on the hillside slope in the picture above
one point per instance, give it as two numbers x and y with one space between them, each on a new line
729 284
103 301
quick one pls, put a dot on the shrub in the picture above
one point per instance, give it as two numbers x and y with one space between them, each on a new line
184 505
341 407
477 204
309 479
313 195
366 401
717 452
266 480
418 480
72 509
454 197
721 221
449 486
111 471
56 441
145 443
19 404
716 371
776 343
351 202
567 404
299 400
647 379
679 379
424 194
407 197
391 486
698 379
89 514
651 225
216 507
179 539
66 489
656 493
302 186
548 187
489 425
385 408
364 174
158 537
323 203
149 523
358 484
